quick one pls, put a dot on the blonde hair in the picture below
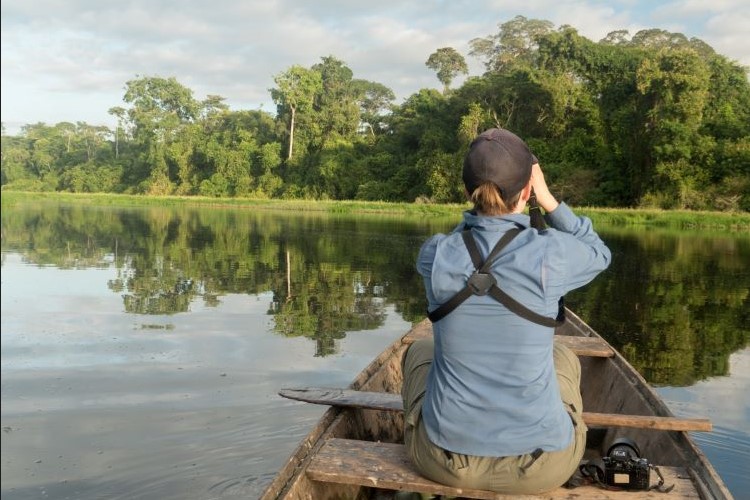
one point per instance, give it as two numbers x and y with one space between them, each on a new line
487 200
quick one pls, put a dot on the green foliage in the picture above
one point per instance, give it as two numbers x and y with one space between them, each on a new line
443 178
217 186
515 42
336 104
470 124
91 178
296 91
653 120
374 99
448 63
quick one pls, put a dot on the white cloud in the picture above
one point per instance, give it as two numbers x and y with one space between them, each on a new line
69 61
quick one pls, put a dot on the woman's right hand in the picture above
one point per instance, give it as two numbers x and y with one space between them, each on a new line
543 197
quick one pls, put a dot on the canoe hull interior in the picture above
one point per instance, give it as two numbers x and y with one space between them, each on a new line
609 385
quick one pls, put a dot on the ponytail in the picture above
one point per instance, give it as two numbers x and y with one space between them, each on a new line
488 201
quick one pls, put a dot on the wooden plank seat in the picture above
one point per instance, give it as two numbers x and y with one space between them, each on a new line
586 346
582 346
386 466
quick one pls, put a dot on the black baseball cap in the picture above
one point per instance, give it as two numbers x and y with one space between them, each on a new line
501 157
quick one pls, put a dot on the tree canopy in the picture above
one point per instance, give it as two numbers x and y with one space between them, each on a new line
656 119
448 63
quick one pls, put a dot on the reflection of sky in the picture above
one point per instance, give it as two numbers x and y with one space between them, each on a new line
99 403
64 320
723 400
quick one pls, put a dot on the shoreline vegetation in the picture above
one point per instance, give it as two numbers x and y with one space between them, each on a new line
657 120
733 222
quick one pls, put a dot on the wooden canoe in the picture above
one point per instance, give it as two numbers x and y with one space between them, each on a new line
610 385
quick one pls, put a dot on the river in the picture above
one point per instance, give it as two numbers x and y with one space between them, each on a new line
143 348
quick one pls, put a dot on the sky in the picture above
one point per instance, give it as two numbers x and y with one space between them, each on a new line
70 60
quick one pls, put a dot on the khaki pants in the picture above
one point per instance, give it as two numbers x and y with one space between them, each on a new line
524 474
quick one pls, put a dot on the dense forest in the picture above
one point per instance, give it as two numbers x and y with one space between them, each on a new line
655 119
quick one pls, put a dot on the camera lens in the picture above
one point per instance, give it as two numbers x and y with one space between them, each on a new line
623 449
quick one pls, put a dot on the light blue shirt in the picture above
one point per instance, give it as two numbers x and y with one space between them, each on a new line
492 388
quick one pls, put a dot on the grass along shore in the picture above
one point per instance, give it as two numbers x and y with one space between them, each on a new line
671 219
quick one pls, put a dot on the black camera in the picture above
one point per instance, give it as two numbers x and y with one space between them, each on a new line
624 468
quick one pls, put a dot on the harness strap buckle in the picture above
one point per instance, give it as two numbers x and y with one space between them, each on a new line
480 283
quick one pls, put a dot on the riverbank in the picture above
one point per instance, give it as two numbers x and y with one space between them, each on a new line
671 219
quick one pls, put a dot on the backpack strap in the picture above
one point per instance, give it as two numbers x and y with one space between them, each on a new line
476 257
482 282
527 313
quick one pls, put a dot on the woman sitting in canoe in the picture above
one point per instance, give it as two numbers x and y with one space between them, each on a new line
491 402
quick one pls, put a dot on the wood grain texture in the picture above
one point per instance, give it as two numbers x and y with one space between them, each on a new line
385 465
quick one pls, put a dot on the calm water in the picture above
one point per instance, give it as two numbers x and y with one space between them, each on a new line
142 349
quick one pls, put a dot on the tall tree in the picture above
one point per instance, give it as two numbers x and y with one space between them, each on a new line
159 104
448 63
160 107
296 91
659 39
212 109
337 109
617 37
515 41
374 99
676 82
119 113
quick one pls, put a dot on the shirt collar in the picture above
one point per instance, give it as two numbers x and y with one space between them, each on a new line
496 222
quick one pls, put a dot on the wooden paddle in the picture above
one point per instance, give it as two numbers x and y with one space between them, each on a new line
387 401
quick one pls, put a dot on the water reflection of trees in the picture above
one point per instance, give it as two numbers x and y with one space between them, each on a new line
328 276
676 305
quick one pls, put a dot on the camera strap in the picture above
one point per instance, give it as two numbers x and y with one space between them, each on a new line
660 486
593 472
482 282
